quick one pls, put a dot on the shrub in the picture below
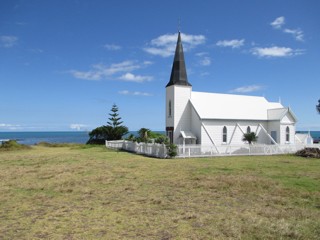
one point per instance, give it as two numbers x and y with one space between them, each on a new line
250 137
47 144
13 145
162 139
172 150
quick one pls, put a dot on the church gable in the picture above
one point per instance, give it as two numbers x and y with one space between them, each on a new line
284 115
288 118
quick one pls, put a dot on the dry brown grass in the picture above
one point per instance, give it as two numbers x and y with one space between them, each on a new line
93 193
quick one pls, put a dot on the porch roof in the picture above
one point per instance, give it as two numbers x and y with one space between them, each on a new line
187 135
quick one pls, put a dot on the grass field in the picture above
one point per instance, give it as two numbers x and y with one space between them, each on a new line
81 192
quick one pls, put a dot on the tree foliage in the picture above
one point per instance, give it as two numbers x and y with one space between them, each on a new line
144 134
318 106
114 117
147 136
250 137
113 131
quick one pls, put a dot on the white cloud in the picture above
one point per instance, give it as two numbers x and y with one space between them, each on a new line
8 41
247 89
89 75
201 54
202 74
276 52
136 93
78 126
124 92
101 71
6 126
234 43
147 63
206 61
21 23
113 47
278 22
296 33
36 50
165 45
135 78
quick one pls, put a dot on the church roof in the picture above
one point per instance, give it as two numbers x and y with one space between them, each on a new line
178 72
240 107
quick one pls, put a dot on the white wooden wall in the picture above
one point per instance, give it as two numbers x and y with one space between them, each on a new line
181 109
215 128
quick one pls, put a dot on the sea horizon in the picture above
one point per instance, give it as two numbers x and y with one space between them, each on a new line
34 137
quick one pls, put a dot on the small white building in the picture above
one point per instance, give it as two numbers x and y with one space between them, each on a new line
304 138
221 119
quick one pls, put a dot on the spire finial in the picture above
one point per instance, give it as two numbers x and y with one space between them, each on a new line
179 24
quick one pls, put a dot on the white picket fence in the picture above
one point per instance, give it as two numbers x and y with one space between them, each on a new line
235 150
187 151
149 149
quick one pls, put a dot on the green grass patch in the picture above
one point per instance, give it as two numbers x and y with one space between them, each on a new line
90 192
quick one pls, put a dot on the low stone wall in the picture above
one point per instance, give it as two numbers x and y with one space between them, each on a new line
149 149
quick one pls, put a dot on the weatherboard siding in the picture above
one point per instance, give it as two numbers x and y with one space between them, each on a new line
215 130
181 110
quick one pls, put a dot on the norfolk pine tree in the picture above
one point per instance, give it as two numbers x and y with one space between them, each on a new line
113 131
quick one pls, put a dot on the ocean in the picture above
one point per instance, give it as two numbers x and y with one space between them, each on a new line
31 138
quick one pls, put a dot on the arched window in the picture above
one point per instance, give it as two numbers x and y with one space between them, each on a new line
287 134
224 134
170 109
248 129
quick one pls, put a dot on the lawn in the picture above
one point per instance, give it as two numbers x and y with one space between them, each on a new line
81 192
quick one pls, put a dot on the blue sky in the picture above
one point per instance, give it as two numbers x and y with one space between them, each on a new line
64 63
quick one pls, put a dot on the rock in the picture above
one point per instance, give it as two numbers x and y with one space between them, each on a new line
309 152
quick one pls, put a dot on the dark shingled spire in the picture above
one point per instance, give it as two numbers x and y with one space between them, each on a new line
178 72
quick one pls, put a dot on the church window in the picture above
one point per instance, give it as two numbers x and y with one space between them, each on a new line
248 129
224 134
287 134
170 109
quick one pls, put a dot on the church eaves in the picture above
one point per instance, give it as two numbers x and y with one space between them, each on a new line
178 72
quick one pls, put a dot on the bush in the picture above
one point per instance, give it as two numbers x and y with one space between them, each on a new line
13 145
250 137
46 144
162 139
172 150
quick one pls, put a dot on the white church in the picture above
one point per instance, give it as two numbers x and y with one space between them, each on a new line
221 119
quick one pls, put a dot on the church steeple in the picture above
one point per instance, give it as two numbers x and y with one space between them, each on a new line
178 72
